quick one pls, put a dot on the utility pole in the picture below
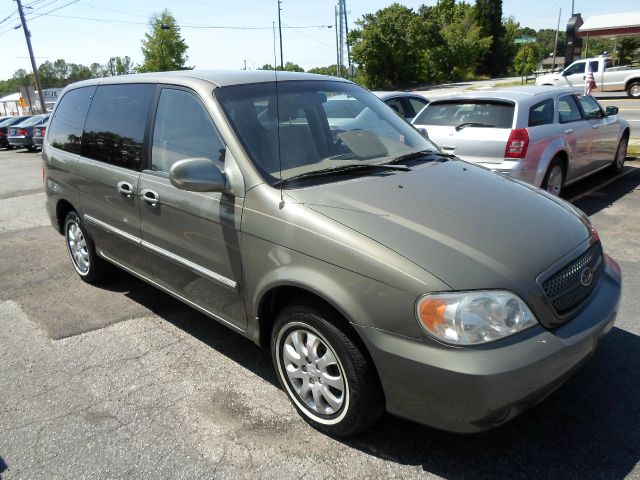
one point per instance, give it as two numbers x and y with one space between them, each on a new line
346 34
555 44
27 36
280 31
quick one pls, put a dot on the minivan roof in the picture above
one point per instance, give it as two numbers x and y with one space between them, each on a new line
219 78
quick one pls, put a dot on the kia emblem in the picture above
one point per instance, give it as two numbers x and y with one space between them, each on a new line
586 277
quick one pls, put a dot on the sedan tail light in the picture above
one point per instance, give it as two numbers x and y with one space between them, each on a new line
517 143
24 132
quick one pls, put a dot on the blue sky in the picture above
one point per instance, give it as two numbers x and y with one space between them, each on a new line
85 40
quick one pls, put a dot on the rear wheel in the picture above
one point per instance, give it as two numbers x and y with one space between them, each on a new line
325 374
633 89
89 266
621 154
554 178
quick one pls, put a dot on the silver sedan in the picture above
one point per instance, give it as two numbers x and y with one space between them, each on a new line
547 136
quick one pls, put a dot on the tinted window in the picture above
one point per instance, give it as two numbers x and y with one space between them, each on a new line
590 107
485 113
35 120
65 131
396 106
541 114
116 123
183 129
417 104
342 108
568 110
594 65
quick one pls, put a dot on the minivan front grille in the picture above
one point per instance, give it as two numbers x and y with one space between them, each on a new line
571 285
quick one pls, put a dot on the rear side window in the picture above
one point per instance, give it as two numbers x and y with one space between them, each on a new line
483 113
116 124
417 105
541 113
65 130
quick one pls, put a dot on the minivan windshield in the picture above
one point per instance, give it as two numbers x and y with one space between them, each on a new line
295 128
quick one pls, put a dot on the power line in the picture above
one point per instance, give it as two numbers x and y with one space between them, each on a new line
332 47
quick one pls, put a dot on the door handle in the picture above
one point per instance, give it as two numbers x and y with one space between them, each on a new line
125 189
150 197
568 130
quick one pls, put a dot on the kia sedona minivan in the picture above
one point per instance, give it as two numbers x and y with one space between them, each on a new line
382 273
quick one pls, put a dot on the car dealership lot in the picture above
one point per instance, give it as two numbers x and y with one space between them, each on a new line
123 381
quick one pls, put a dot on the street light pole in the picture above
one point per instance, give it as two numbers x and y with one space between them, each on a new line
27 36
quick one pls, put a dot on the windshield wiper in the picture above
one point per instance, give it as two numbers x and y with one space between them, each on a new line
427 154
341 170
473 124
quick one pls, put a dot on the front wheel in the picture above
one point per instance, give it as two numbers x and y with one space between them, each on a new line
325 374
621 153
554 178
633 89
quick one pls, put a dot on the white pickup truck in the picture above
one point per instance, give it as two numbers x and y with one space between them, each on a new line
608 78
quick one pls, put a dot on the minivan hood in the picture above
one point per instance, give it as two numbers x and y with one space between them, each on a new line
468 226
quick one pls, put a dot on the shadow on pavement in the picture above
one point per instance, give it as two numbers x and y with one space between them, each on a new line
3 467
606 196
217 336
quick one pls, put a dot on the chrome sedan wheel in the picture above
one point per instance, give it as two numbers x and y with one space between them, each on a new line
78 248
313 371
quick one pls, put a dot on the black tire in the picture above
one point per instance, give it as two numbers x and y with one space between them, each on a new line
633 89
361 399
621 152
552 172
82 252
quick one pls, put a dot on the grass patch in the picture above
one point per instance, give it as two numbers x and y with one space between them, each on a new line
633 152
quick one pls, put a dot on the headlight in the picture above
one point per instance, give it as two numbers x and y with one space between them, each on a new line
472 318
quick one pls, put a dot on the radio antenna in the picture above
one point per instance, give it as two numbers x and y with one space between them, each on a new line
275 73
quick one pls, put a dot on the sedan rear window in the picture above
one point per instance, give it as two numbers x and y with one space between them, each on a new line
459 112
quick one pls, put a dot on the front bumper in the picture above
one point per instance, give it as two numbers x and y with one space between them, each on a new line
471 389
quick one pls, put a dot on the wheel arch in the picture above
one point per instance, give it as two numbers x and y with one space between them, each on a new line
630 81
63 207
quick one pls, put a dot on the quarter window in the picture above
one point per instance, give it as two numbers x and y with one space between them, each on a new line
183 129
65 131
568 110
417 105
541 113
116 124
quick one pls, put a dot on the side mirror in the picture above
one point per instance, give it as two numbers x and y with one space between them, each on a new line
197 175
611 110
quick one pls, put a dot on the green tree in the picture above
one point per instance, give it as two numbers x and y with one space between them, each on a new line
488 15
526 60
330 70
288 67
388 45
163 47
123 65
454 43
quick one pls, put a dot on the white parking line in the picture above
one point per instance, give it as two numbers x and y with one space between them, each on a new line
598 187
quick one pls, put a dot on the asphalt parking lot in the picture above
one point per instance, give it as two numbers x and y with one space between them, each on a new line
122 381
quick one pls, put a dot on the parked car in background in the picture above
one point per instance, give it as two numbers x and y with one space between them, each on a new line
20 135
608 78
381 273
4 126
39 133
547 136
406 104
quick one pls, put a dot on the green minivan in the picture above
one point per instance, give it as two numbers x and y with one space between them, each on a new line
382 273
